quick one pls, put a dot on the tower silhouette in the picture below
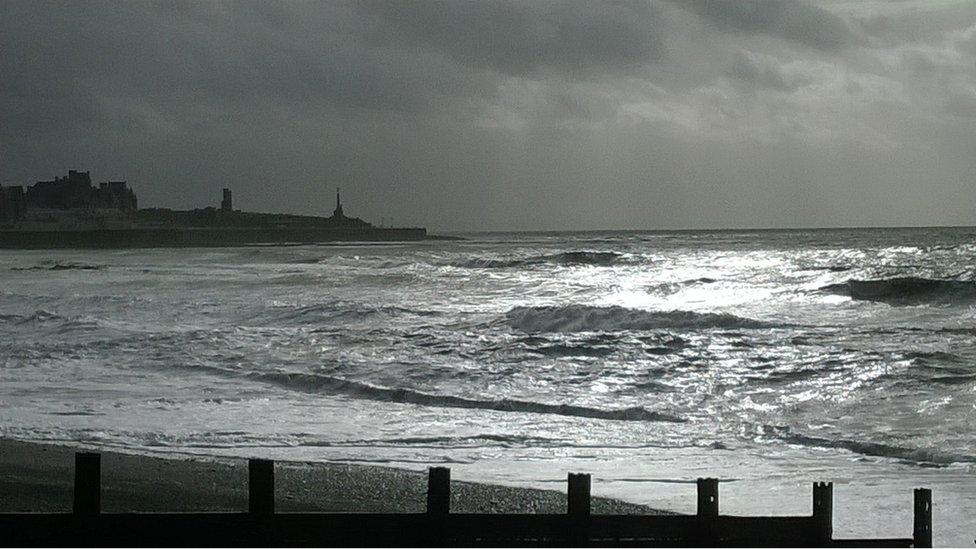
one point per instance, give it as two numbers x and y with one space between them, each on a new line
338 209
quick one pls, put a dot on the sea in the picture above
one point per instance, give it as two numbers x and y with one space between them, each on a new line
767 359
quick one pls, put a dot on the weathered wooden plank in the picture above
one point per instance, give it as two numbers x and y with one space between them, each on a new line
439 491
922 530
330 529
578 494
261 526
578 508
823 509
88 483
708 497
260 486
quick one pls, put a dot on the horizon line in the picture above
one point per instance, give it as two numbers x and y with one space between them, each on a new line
711 229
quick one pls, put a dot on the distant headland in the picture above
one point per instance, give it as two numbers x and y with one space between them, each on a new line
71 212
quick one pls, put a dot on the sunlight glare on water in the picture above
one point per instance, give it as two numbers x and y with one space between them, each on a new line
646 359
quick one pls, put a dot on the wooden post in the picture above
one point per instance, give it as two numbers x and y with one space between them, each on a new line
578 508
708 497
578 495
260 487
922 533
439 491
823 510
88 483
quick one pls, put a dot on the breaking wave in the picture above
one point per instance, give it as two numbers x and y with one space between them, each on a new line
906 290
565 350
38 316
601 259
828 268
504 440
317 383
920 456
586 318
674 287
937 357
342 311
938 367
59 266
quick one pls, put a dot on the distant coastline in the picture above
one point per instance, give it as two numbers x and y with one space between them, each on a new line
190 237
70 212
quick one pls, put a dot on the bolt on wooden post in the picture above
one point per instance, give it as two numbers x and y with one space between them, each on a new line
708 497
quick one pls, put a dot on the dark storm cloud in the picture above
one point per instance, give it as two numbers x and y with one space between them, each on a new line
174 57
763 72
522 37
962 103
383 55
499 114
790 19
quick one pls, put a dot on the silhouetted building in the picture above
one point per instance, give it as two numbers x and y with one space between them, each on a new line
68 203
76 191
116 195
12 203
73 191
227 204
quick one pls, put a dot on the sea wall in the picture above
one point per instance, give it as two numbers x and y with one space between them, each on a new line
203 237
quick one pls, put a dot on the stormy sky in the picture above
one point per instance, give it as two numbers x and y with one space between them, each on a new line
498 115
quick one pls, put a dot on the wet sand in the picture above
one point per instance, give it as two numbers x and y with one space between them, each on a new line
39 478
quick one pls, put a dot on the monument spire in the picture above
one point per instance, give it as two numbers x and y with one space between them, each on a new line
338 210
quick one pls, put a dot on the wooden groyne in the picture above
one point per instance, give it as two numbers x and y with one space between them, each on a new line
438 526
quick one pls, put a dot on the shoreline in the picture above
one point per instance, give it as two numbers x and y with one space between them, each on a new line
38 477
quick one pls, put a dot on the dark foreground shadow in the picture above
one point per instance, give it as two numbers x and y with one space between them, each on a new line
438 527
